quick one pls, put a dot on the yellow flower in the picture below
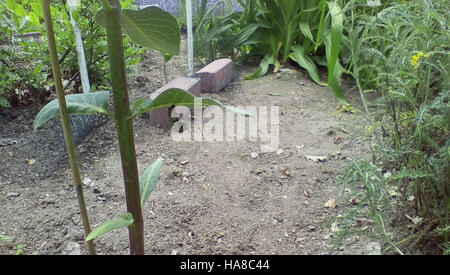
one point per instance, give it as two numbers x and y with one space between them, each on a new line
416 59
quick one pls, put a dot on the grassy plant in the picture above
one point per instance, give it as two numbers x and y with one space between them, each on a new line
369 194
276 31
400 51
20 249
4 238
213 33
307 32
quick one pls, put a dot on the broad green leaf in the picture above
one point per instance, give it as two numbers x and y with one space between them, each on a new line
268 60
137 104
10 4
150 27
4 102
243 37
306 31
77 104
299 56
333 43
176 97
34 19
37 8
149 179
321 27
20 11
124 220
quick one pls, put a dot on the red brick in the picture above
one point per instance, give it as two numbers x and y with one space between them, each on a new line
160 117
216 75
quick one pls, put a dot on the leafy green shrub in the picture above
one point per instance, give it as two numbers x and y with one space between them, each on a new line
25 65
95 44
21 78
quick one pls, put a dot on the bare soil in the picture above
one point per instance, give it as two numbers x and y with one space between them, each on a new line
212 198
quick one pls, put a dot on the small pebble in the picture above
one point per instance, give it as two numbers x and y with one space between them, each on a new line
185 174
13 195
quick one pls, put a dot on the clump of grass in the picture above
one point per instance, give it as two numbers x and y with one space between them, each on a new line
365 189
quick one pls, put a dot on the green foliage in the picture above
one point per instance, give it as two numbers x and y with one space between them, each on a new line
78 104
95 44
274 31
151 27
144 27
446 245
21 78
20 249
370 194
4 103
446 250
124 220
25 66
214 33
400 51
4 239
88 104
149 179
177 97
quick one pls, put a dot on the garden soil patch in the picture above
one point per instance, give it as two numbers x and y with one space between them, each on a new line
212 198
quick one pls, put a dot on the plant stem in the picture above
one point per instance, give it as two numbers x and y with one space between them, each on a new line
124 124
66 123
164 69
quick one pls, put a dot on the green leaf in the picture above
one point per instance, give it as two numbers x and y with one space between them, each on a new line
20 11
37 9
150 27
4 102
11 4
77 104
306 31
333 43
299 56
167 57
176 97
268 60
149 179
124 220
34 19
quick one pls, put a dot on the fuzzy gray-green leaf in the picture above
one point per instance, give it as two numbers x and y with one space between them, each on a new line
149 179
122 221
177 97
77 104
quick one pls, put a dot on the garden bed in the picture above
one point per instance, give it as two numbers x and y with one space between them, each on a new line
212 198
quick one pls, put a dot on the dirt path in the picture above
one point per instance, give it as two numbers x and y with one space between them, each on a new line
212 198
